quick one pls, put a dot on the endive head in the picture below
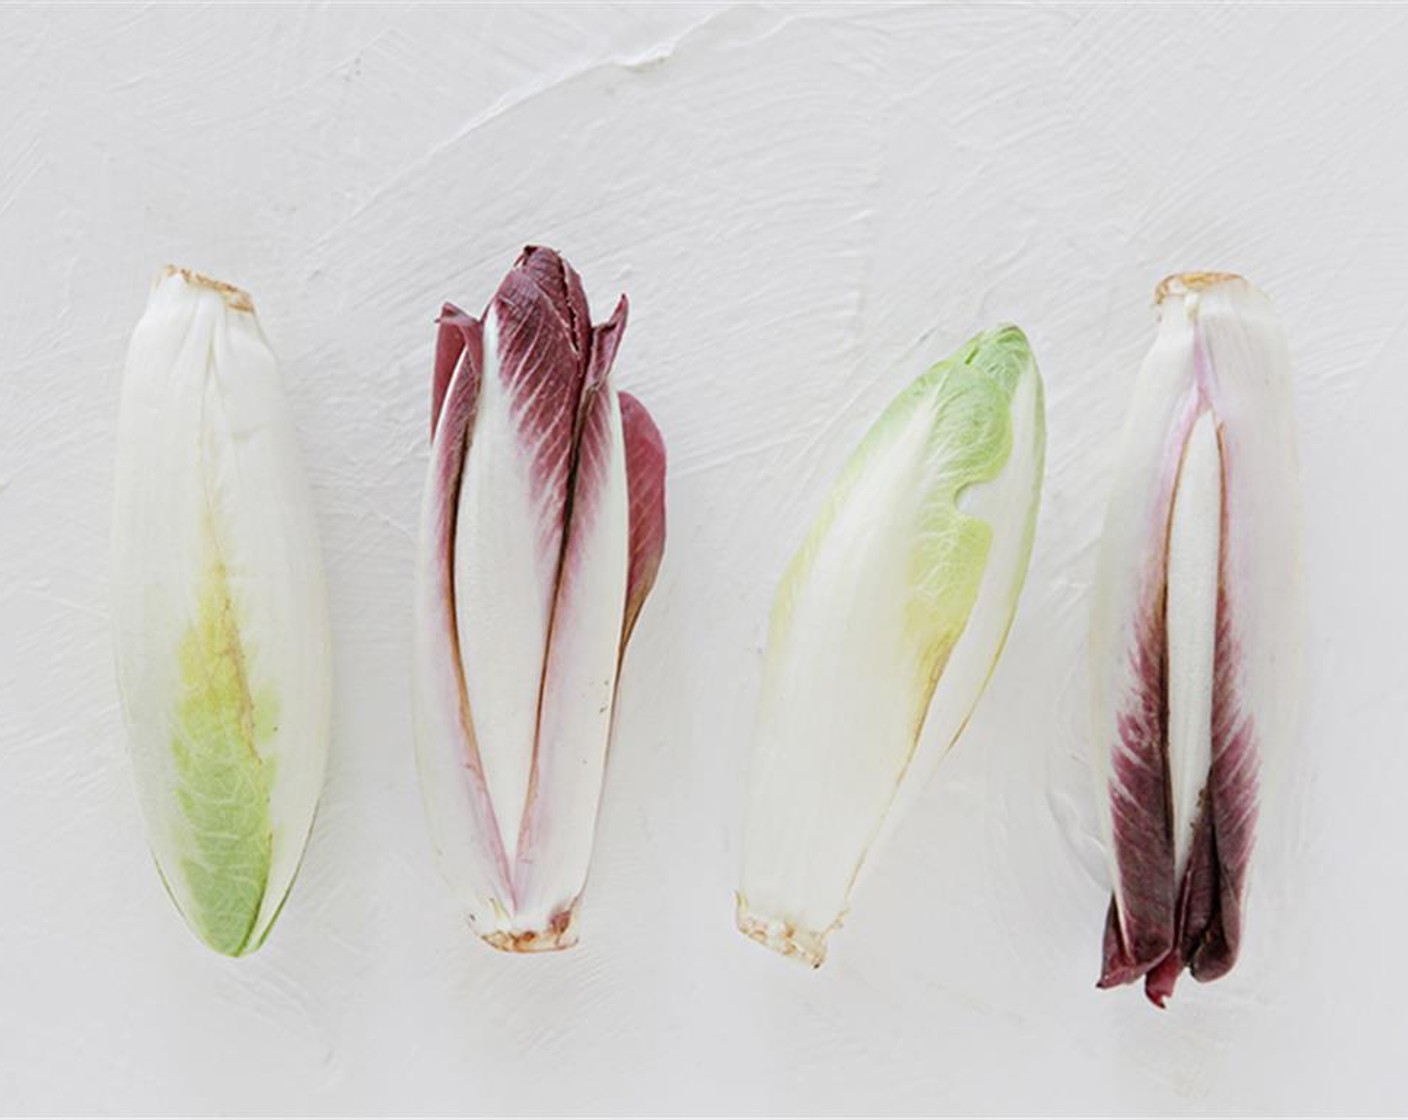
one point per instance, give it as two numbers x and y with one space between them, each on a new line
219 610
888 622
542 528
1195 629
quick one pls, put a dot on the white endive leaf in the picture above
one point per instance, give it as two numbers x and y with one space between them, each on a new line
542 528
579 677
219 611
1196 630
895 607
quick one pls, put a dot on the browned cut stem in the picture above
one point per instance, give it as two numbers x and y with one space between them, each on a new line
560 933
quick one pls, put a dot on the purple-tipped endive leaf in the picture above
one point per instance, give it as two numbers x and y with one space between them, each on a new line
219 611
542 528
1195 637
888 623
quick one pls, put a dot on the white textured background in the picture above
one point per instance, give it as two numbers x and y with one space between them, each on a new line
807 206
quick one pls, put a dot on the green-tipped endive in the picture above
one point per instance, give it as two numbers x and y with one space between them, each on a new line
219 610
542 527
1195 638
885 629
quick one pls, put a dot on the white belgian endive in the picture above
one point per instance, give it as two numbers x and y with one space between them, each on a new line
219 611
892 614
1196 631
542 527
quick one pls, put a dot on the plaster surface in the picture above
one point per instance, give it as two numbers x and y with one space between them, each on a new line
807 206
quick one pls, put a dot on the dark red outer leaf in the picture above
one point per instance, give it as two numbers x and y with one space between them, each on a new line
1142 933
606 340
456 332
645 481
1233 803
455 410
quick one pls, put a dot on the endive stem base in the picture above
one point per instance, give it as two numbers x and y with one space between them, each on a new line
803 945
561 933
236 299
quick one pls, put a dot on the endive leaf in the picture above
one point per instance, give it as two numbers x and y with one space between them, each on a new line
1196 629
579 679
220 623
928 529
511 525
457 331
223 781
452 774
645 477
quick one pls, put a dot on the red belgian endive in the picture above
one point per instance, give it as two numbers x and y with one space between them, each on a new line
1196 631
542 528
